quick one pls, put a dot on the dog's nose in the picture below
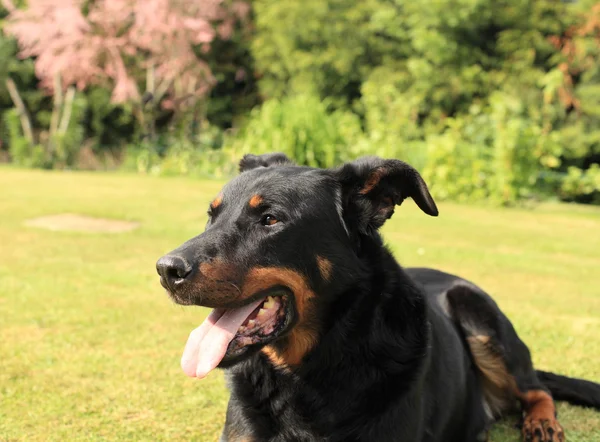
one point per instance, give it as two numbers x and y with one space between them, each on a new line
173 270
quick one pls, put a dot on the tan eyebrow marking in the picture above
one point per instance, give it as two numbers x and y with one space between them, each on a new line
217 201
255 201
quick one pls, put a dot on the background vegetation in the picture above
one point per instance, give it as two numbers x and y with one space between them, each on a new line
495 100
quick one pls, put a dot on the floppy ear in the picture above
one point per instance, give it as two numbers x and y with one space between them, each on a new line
250 161
372 187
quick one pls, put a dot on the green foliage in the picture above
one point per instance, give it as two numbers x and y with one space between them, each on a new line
324 47
109 125
236 90
22 72
496 153
50 149
301 127
471 91
64 146
444 52
22 151
580 184
174 155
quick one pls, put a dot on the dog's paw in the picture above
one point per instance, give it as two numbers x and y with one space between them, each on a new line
542 430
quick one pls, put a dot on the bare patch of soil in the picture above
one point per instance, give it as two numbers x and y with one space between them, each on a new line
81 223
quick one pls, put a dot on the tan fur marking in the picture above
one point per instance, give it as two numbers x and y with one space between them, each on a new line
217 201
482 338
210 270
537 401
325 267
274 357
498 383
300 342
255 201
233 436
302 338
540 416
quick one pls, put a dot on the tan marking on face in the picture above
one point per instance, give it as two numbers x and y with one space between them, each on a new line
302 338
274 357
325 267
217 201
211 270
255 201
218 282
300 341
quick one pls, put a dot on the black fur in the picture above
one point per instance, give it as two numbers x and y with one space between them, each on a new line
391 361
574 391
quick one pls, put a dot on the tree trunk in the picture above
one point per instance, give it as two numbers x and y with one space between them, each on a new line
20 105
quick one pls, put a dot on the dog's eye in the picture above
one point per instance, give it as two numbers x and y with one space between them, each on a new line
268 220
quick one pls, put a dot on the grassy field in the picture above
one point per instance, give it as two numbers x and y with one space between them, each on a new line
90 344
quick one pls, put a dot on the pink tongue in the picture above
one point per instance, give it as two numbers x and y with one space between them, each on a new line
206 345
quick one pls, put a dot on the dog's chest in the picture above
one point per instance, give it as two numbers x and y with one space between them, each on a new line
299 412
277 414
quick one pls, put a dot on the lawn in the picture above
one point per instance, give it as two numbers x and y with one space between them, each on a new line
90 343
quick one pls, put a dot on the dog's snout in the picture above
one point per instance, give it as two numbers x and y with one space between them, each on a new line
173 270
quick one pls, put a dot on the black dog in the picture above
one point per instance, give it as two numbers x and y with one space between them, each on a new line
327 338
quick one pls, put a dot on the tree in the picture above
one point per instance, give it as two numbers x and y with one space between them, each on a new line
144 50
579 93
467 90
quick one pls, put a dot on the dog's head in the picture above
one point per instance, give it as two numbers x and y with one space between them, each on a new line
280 243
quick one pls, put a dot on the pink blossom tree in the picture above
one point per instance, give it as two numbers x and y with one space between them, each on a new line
138 48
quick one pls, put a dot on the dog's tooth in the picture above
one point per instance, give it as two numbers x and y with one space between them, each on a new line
261 312
251 323
269 302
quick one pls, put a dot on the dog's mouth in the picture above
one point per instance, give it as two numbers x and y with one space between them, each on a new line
228 334
264 323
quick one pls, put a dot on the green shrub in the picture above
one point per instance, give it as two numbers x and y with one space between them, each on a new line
581 185
50 148
176 155
303 129
496 153
21 150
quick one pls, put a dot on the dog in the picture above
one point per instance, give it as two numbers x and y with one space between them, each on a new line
325 337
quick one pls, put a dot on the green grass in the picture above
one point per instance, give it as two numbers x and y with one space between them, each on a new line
90 344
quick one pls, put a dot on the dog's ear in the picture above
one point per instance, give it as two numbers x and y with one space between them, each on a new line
372 187
250 161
